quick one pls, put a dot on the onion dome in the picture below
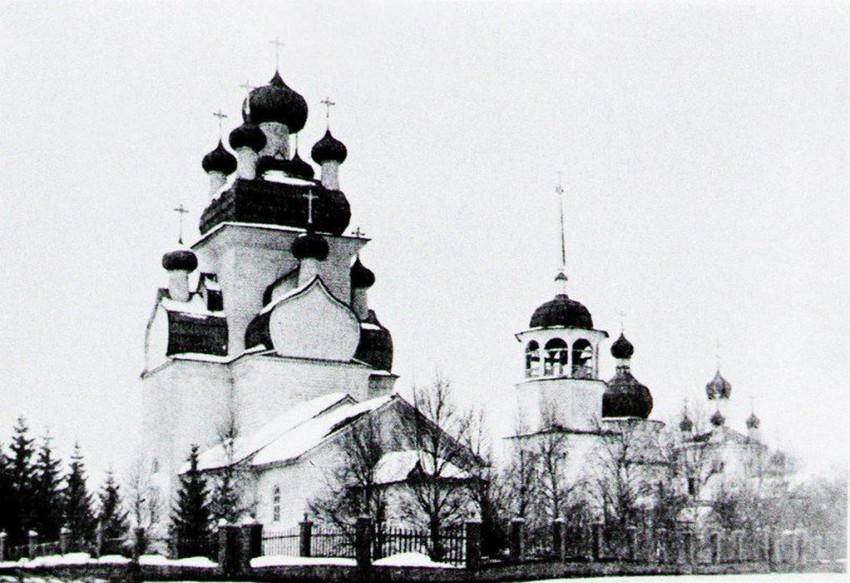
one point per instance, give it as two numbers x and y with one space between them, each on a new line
376 344
561 311
718 388
329 149
248 135
717 419
626 397
276 102
361 276
622 348
219 160
310 246
686 425
753 421
299 168
180 259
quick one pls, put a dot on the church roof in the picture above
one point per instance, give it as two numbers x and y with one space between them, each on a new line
276 102
563 312
400 466
625 396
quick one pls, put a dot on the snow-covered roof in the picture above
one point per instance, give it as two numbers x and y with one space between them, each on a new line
196 307
243 447
397 466
300 439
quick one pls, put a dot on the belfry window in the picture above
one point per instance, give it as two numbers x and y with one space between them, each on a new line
582 359
276 504
532 359
556 357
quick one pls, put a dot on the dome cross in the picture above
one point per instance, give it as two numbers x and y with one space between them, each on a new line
328 104
220 115
310 198
180 210
358 233
277 44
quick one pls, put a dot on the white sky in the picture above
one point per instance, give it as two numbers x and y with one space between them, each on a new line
704 148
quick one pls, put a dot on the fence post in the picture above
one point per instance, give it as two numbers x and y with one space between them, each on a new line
690 546
64 539
631 536
596 541
228 548
2 545
32 542
98 539
473 545
305 538
516 536
558 538
251 543
363 542
134 570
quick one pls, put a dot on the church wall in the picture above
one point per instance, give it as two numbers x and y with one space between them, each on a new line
574 403
266 385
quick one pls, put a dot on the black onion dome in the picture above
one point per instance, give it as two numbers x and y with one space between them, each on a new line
310 246
753 421
718 387
248 135
562 311
182 259
686 424
299 168
717 419
361 276
626 397
622 348
219 160
276 102
376 344
329 149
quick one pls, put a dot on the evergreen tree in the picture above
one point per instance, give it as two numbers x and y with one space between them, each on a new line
112 516
190 518
21 471
5 493
47 495
79 517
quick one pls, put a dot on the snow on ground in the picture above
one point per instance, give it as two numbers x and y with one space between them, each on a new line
759 578
285 561
412 560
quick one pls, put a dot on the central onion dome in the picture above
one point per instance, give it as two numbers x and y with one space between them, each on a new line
562 311
299 168
310 246
248 135
329 149
717 419
219 160
622 348
753 421
276 102
180 259
686 425
361 276
718 388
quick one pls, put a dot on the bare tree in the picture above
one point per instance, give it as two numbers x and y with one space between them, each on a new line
227 503
554 488
521 472
146 502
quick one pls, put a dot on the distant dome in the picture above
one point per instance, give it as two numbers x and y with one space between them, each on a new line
361 276
622 348
180 259
376 344
717 419
248 135
299 168
626 397
310 246
686 424
753 421
219 160
329 149
718 387
276 102
561 311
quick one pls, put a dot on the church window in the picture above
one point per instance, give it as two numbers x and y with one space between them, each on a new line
532 359
556 357
692 486
276 504
582 359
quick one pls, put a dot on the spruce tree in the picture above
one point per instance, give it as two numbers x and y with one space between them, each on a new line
79 517
5 493
190 518
112 515
47 492
21 468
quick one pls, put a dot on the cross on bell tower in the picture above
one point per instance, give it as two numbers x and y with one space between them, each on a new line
180 210
310 198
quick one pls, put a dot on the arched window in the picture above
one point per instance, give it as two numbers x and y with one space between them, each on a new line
532 359
582 359
556 357
276 504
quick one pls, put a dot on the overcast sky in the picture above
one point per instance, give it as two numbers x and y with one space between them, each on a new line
704 149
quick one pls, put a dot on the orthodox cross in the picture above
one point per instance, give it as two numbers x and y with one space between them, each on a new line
247 86
327 103
358 233
622 321
717 354
220 115
310 198
180 210
277 44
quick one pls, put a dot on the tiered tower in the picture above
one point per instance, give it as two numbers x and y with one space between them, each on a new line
278 310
